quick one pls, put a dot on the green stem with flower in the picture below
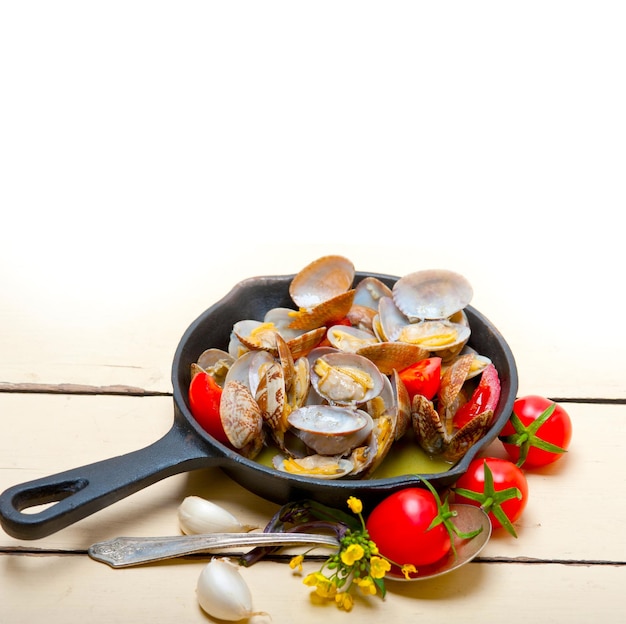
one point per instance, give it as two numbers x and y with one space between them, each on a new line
357 564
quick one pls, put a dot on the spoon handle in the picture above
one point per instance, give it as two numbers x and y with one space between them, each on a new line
122 552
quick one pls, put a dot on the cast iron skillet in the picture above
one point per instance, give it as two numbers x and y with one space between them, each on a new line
80 492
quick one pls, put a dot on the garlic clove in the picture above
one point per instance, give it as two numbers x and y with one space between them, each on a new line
223 593
197 515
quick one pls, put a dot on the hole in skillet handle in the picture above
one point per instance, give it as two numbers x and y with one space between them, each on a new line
33 500
251 299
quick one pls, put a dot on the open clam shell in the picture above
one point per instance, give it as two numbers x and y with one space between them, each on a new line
349 339
369 292
346 378
432 294
331 430
321 280
323 467
435 335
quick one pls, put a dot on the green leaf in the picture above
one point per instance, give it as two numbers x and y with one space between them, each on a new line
380 583
444 516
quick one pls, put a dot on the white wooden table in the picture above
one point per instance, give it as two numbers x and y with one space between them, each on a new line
477 140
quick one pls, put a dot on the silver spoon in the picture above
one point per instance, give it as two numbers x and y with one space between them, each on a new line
122 552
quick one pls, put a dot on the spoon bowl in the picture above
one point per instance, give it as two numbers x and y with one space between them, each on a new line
468 518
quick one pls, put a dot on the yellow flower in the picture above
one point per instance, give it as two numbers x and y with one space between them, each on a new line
353 553
408 569
324 586
356 506
344 600
379 567
311 579
296 562
366 584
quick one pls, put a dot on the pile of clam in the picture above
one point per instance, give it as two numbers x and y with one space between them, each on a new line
321 384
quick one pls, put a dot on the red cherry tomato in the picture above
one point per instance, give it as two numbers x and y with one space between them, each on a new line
204 401
399 527
500 489
538 432
423 377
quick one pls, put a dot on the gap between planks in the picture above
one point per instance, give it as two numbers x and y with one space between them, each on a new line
122 390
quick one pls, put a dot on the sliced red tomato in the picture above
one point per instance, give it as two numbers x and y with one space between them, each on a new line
423 377
204 401
485 397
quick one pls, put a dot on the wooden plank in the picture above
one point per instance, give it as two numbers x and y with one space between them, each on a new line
72 588
112 333
85 429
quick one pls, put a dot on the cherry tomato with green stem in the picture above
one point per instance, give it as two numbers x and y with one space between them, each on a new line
413 526
498 486
538 432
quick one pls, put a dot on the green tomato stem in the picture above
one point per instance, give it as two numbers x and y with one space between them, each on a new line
525 436
491 500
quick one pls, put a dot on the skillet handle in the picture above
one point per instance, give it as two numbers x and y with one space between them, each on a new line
80 492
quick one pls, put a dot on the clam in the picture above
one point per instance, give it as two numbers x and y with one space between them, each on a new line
331 430
478 362
402 405
256 334
450 395
297 374
248 368
384 402
435 335
432 294
432 436
436 430
215 362
281 318
319 466
301 344
235 347
240 414
322 291
321 280
390 356
362 317
368 457
389 321
325 312
349 339
271 398
346 378
445 336
369 291
449 353
261 335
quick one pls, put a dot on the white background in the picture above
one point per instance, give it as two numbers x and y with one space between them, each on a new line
153 153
